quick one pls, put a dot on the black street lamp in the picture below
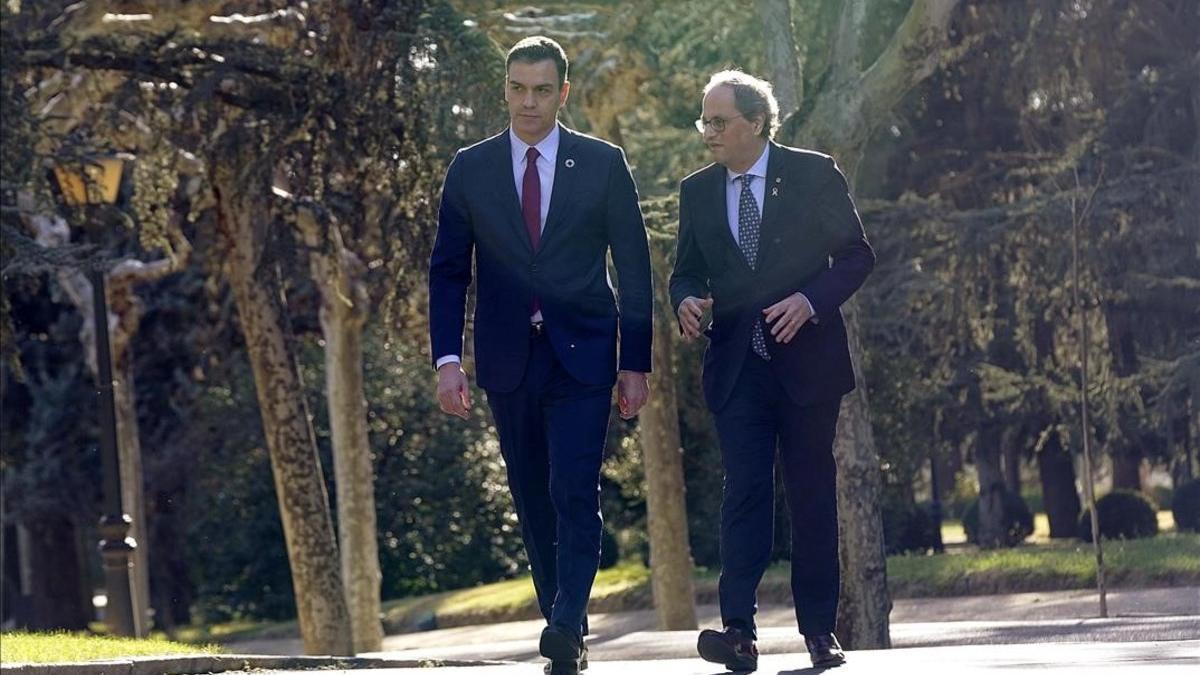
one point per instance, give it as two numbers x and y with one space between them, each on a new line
98 183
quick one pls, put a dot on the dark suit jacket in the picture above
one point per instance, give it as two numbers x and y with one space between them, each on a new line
811 241
593 209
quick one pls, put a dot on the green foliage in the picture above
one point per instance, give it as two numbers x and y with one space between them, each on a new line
236 551
445 516
1124 514
48 432
610 550
1018 520
1185 506
908 529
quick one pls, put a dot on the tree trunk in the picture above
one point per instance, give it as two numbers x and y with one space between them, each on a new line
865 603
1126 468
852 104
1012 464
55 586
133 493
338 274
299 485
666 496
991 532
1059 497
783 59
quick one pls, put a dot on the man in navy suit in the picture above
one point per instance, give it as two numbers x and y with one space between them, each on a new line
770 242
537 208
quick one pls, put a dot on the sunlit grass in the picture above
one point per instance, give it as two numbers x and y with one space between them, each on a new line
1170 559
22 647
1165 560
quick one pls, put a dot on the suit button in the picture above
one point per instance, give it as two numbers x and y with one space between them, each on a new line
572 346
533 267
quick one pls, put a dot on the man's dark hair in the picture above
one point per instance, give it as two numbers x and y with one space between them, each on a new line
539 48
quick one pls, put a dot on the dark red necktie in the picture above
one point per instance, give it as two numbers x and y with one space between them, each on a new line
531 207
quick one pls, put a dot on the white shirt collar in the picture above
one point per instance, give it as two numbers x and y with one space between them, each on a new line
547 147
758 169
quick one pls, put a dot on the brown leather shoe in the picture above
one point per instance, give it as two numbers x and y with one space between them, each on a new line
732 648
824 651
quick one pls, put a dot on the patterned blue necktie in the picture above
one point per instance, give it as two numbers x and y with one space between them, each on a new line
748 226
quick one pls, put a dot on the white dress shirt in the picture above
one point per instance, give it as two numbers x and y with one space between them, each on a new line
733 190
547 160
758 187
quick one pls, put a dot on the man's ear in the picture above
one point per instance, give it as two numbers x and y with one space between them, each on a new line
562 94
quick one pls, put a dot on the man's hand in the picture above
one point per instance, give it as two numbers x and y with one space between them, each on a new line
454 396
690 312
787 316
632 392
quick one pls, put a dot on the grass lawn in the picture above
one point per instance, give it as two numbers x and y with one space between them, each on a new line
1040 564
1165 560
1169 559
20 647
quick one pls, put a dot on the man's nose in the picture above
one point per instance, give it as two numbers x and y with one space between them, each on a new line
709 132
529 101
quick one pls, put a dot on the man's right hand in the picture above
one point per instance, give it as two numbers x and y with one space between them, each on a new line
690 312
454 396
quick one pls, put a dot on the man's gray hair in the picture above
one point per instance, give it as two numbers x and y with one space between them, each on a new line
752 96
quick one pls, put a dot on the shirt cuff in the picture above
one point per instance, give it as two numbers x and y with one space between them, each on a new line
811 311
449 358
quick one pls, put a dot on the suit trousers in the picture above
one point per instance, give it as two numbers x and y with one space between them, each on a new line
552 431
758 419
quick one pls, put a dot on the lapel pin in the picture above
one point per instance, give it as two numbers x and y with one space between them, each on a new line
569 163
774 192
778 179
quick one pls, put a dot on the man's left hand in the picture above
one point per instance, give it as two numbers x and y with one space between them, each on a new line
632 392
787 316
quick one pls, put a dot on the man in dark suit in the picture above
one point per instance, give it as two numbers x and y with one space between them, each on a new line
537 208
769 239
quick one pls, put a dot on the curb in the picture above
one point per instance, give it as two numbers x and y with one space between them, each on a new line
190 665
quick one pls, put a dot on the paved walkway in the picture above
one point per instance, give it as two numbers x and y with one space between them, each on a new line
1156 658
1135 615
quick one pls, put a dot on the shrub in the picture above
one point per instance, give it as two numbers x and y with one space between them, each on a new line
1124 514
908 528
1185 506
1018 520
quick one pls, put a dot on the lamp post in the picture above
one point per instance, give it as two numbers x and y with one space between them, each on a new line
98 183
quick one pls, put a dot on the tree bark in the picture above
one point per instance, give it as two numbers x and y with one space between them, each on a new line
991 532
1059 497
53 580
865 602
1012 463
1126 468
338 274
299 485
662 454
133 489
783 59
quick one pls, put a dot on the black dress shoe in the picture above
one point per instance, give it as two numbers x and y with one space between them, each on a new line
732 648
568 667
566 651
824 651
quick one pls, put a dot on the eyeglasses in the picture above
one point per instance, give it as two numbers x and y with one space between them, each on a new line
717 124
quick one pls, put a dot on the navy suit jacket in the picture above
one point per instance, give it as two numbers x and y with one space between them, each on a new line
593 210
811 241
